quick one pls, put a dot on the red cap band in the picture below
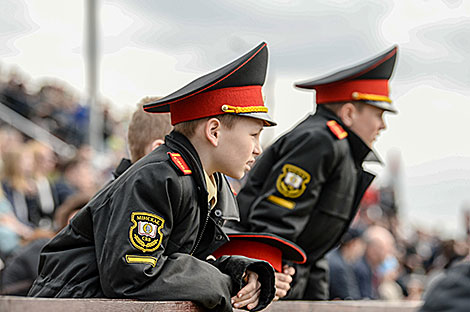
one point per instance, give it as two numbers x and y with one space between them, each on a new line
255 250
210 103
343 91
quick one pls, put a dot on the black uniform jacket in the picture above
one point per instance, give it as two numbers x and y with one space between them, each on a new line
146 236
306 187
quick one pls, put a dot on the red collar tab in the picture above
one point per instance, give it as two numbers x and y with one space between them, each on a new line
337 130
233 190
180 163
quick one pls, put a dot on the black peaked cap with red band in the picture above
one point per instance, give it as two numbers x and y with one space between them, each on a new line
366 82
234 88
263 246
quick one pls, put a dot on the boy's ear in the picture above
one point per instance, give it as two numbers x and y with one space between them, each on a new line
156 143
153 145
212 131
347 114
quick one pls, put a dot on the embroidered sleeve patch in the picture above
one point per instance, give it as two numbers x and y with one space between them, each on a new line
180 163
145 232
141 259
293 181
337 129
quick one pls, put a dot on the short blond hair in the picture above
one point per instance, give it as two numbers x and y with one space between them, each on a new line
336 107
188 128
144 128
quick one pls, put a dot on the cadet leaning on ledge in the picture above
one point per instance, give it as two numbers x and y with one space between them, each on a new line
306 187
147 234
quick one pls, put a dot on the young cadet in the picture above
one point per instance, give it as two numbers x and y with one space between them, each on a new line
148 234
306 187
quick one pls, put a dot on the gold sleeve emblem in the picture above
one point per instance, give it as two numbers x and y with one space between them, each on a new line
145 233
293 181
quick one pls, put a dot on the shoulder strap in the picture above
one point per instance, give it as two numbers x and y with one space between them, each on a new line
179 162
337 130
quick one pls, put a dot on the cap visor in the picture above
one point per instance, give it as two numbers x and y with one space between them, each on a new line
268 121
383 105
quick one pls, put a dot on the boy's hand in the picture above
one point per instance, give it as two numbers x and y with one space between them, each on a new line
249 295
283 281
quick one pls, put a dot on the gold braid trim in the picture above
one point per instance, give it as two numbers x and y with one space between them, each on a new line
244 109
370 97
141 259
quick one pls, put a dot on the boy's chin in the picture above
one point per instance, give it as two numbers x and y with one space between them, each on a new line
236 175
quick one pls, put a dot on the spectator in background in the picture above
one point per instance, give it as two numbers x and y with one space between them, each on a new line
388 272
343 283
15 96
11 229
450 291
21 268
9 139
415 287
155 127
77 177
18 185
380 244
43 169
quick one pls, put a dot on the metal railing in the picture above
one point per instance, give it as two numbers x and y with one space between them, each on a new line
36 132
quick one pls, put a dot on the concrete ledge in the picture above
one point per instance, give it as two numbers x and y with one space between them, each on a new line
344 306
21 304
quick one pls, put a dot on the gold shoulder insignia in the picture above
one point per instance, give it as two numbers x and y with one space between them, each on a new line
293 181
337 129
145 233
178 160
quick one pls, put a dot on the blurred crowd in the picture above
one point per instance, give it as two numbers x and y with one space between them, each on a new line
378 258
40 190
53 105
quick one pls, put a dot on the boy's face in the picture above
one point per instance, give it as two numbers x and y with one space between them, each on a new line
239 146
367 123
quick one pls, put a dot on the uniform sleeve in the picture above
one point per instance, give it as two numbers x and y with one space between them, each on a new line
236 266
132 230
296 172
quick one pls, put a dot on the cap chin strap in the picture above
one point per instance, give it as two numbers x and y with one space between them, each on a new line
243 109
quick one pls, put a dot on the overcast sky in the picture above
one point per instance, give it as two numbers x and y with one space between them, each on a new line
154 47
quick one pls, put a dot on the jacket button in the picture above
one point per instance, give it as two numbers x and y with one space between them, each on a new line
218 237
218 213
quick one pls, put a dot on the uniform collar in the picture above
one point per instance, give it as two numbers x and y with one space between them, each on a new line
211 189
123 166
225 200
178 142
359 149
